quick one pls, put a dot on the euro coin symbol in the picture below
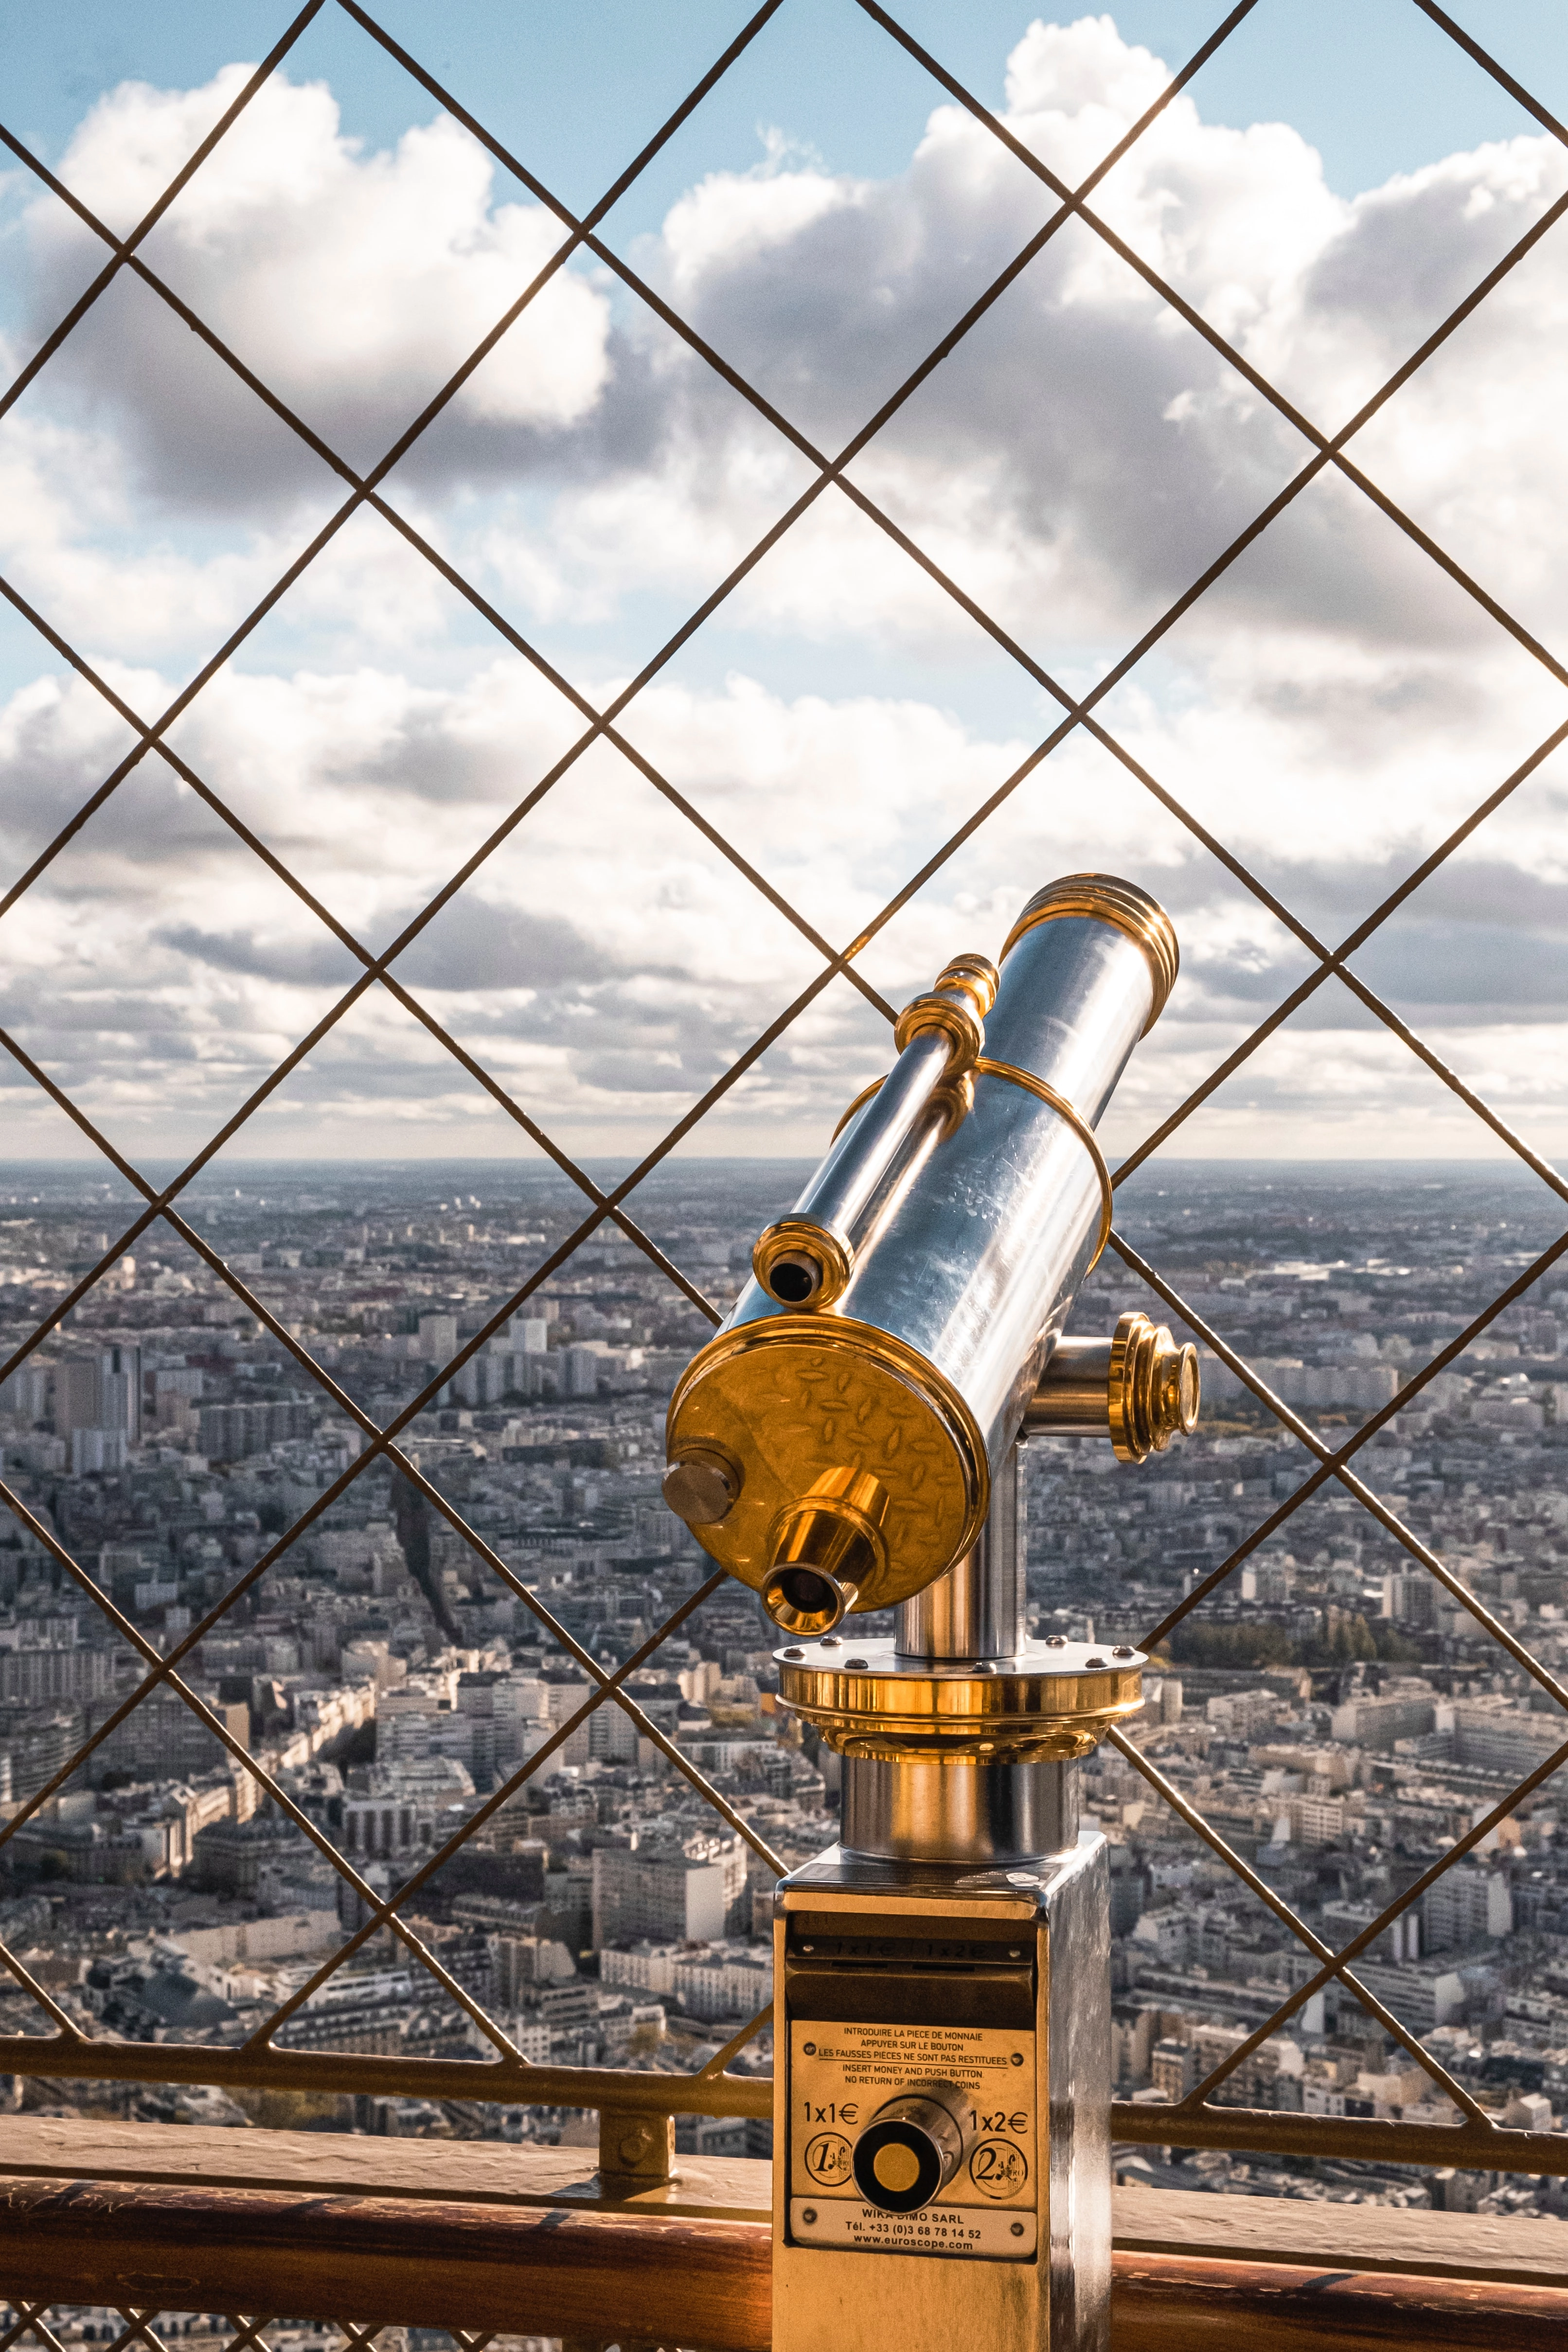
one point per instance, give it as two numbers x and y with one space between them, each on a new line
998 2169
827 2160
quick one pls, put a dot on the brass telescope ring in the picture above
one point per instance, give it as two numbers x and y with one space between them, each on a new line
986 1069
1079 1126
1125 908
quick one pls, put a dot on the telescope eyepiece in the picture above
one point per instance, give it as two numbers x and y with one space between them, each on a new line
805 1602
826 1547
796 1279
801 1264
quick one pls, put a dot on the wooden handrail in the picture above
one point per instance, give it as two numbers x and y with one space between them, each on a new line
1183 2303
530 2239
534 2272
607 2275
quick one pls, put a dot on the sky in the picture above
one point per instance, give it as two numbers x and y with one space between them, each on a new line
1329 186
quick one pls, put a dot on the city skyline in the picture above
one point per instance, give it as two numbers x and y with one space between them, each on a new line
1337 1712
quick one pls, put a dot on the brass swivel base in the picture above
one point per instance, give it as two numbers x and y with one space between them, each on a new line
1051 1701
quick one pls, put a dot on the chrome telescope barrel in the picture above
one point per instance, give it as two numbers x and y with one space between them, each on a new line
836 1449
808 1257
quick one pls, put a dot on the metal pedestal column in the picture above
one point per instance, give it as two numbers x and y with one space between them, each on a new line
942 2060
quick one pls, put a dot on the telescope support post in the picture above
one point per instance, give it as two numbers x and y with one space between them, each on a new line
942 2027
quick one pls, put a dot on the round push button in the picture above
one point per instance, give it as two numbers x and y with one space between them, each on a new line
896 2166
913 2146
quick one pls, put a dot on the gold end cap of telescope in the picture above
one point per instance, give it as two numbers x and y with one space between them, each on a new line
973 975
791 1397
966 986
824 1548
802 1265
1110 900
954 1017
1152 1394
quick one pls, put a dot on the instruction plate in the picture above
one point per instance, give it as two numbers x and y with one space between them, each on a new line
841 2076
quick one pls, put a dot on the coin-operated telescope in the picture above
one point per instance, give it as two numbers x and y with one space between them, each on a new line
848 1440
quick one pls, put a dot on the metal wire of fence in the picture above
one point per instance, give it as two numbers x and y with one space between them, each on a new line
70 2049
210 2332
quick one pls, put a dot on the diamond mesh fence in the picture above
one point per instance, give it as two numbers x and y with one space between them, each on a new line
1340 1466
62 2327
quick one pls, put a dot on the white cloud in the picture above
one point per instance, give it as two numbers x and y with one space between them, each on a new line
607 964
1084 454
354 283
1075 463
1330 710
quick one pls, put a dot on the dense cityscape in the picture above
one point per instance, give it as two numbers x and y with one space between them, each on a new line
1336 1714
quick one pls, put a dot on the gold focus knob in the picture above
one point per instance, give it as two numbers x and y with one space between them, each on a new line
700 1485
1154 1390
